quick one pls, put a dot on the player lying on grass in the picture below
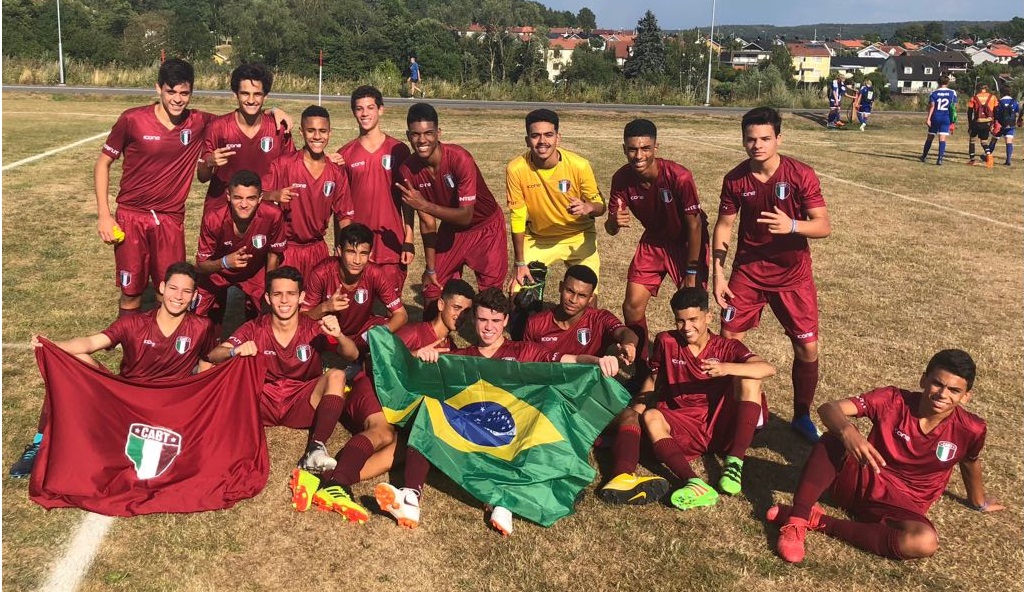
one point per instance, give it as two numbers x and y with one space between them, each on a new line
167 343
888 481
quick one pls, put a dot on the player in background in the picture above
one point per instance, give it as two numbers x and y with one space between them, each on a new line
245 139
237 246
980 117
863 103
888 481
371 162
310 188
778 200
941 117
836 89
1007 117
443 184
415 79
165 344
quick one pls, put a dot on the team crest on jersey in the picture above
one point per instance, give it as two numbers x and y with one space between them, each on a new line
266 144
125 277
182 344
152 450
196 299
449 181
945 451
666 196
185 136
782 190
564 185
328 188
729 313
583 336
361 296
385 161
303 352
259 241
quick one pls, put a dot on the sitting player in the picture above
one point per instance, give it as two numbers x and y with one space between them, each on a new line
705 396
889 480
164 344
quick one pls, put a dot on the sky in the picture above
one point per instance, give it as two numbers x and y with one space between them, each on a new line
686 14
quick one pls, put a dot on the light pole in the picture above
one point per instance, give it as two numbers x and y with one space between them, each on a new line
711 49
60 47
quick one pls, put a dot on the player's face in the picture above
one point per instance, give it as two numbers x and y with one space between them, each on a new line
451 310
174 99
354 258
367 113
761 142
243 201
575 295
316 133
250 97
640 153
943 392
542 139
693 323
177 292
490 325
423 137
284 298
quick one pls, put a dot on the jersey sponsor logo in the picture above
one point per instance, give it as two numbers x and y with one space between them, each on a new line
397 302
108 148
666 196
182 344
328 188
783 190
635 197
583 336
266 144
361 296
151 138
355 165
805 335
385 161
259 241
185 136
125 277
677 362
748 193
449 181
945 451
463 198
279 245
548 338
424 185
233 146
564 185
534 185
299 185
729 313
269 352
152 450
149 342
900 433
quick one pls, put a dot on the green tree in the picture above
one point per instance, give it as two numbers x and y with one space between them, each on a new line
648 59
587 19
783 62
934 32
594 67
1012 31
686 61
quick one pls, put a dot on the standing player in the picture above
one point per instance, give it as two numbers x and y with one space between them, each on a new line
889 480
310 188
836 90
371 161
980 115
553 199
443 183
161 345
1007 114
706 397
941 117
780 206
237 246
415 79
862 104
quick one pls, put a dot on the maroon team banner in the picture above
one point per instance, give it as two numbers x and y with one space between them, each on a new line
124 448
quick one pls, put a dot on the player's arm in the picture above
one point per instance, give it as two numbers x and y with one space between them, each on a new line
719 249
609 364
81 345
693 244
618 211
835 415
101 182
408 244
273 261
428 233
817 225
625 341
211 161
753 367
970 470
228 350
399 317
412 197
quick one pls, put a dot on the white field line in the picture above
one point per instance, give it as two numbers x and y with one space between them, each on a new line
69 570
43 155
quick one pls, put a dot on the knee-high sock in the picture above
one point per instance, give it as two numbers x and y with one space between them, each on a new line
1009 152
877 538
328 412
818 474
991 147
747 414
927 145
626 449
805 383
670 454
970 150
942 149
417 467
351 460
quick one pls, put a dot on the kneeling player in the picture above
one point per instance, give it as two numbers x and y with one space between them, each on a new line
889 480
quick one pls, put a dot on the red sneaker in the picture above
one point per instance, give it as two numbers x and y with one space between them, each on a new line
791 540
780 513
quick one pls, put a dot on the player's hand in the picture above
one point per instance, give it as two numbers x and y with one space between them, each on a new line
408 254
622 215
337 302
723 295
329 325
34 342
430 353
286 195
246 350
609 365
283 120
860 448
521 275
626 352
777 221
105 228
412 196
239 258
431 279
713 368
218 157
579 208
336 158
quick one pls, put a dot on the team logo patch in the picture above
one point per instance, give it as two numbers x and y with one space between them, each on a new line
729 313
666 196
449 181
196 300
564 185
303 352
259 241
583 335
361 296
782 190
125 277
182 344
151 449
328 188
385 161
266 144
185 136
945 451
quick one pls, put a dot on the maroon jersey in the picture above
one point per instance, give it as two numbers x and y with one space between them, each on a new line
378 205
307 214
159 163
590 335
417 335
372 284
298 360
217 238
661 207
251 154
151 355
457 184
917 465
682 383
513 351
771 262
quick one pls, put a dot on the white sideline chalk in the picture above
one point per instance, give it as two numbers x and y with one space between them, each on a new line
43 155
69 570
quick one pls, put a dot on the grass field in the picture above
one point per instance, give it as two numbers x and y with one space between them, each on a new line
921 258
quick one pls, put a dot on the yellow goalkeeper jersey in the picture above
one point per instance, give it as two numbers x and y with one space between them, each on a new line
545 194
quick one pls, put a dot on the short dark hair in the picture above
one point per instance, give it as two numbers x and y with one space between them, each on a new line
690 298
180 268
285 272
640 128
981 86
954 361
421 112
494 299
944 79
315 111
366 91
252 71
541 116
174 72
355 234
762 116
245 178
581 273
457 287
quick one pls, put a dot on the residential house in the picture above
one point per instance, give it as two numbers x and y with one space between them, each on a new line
850 65
558 55
623 50
811 61
879 50
996 53
749 56
910 74
953 62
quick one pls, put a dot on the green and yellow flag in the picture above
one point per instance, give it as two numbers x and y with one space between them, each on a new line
513 435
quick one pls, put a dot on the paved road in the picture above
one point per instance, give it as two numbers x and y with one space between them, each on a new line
449 103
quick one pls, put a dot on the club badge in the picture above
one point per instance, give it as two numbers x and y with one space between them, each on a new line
945 451
385 161
666 196
782 190
125 278
259 241
185 136
564 185
182 344
583 335
266 144
729 313
303 352
328 188
151 449
449 181
361 296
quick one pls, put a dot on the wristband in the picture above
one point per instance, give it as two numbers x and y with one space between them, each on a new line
792 229
224 262
430 271
232 353
691 272
521 264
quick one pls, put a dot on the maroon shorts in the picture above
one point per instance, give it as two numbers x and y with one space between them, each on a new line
796 309
484 249
286 403
305 257
868 498
360 405
359 336
152 242
651 262
211 300
698 433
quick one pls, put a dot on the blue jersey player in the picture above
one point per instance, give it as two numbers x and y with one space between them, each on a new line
1007 116
863 102
836 90
941 117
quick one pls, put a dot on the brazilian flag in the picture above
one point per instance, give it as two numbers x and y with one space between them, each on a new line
513 435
